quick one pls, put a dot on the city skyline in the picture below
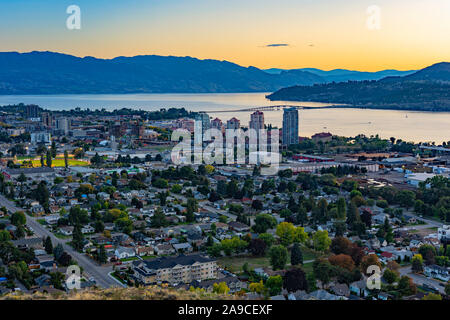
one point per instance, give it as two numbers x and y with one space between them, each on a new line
283 34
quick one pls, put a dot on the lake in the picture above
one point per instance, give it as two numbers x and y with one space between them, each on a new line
406 125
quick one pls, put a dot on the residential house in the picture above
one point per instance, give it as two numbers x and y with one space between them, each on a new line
164 249
183 247
144 251
67 231
87 229
238 226
437 272
359 288
341 289
52 219
124 252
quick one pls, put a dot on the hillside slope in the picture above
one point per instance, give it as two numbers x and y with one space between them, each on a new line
147 293
427 89
342 75
55 73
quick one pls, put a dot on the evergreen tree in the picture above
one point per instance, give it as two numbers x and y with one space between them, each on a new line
102 255
302 216
53 149
48 245
352 214
77 237
49 159
341 209
296 255
58 251
66 159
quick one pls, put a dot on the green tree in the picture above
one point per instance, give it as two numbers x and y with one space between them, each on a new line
77 238
176 188
4 236
296 255
66 159
102 255
322 270
295 279
278 257
49 159
42 194
274 284
417 263
405 198
447 289
263 222
432 296
53 149
18 218
58 251
286 232
321 240
267 238
341 209
159 219
56 279
390 276
220 288
320 212
257 247
48 245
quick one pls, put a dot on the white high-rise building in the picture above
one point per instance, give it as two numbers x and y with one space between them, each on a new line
63 125
256 120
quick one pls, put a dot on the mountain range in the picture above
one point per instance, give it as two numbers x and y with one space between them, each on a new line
427 89
341 75
56 73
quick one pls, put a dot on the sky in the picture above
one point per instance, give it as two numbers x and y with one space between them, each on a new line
325 34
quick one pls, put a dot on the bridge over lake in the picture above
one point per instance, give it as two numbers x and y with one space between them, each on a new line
263 108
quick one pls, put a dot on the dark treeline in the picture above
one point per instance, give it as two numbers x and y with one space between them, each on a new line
162 114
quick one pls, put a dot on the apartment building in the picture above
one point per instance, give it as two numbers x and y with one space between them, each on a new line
290 126
175 270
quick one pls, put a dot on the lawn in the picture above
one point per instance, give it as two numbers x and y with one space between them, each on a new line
235 263
148 257
59 162
59 235
129 259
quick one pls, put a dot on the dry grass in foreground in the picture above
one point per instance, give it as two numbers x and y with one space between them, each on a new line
147 293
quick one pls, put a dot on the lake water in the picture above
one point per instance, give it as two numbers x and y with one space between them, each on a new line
409 126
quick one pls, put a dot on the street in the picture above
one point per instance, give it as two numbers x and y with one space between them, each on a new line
89 266
421 279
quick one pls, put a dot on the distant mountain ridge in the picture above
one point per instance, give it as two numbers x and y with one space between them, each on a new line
56 73
427 89
341 75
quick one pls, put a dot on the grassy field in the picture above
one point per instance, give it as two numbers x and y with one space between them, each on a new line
58 162
235 263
